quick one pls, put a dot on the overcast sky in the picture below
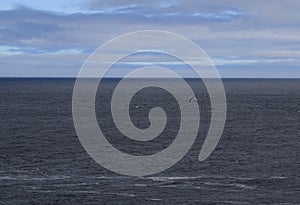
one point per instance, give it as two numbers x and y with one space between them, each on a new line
243 38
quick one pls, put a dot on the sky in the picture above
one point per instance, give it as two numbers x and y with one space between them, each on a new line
247 39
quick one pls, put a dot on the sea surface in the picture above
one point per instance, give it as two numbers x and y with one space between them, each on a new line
257 160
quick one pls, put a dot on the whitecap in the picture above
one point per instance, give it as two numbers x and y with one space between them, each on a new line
153 199
128 195
140 185
278 177
173 178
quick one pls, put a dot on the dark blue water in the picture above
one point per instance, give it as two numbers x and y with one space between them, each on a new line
256 161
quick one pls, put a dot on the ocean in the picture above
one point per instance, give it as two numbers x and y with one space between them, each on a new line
256 161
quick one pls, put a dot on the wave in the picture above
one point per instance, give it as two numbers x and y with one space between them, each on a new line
229 185
175 178
34 178
26 176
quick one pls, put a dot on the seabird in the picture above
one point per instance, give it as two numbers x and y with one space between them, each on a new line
192 99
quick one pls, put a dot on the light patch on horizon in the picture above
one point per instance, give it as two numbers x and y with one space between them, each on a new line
13 50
